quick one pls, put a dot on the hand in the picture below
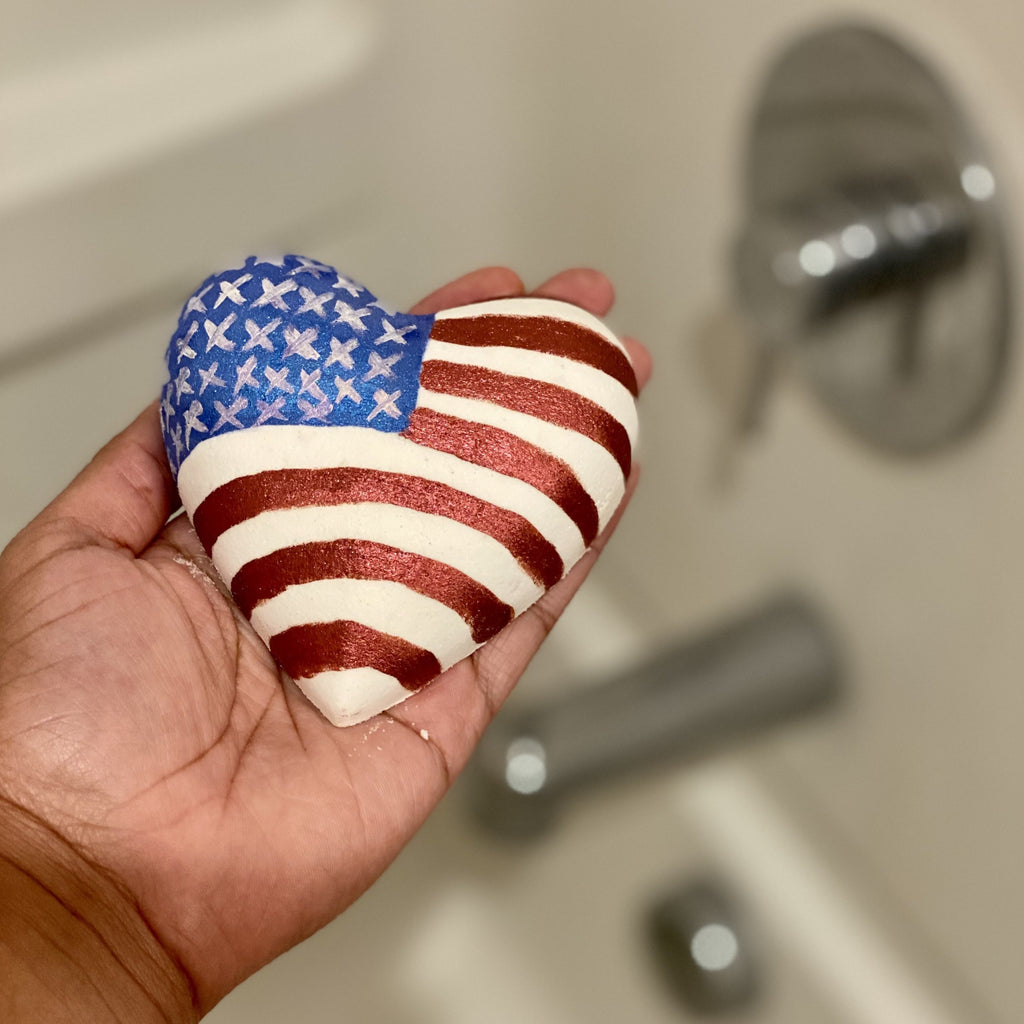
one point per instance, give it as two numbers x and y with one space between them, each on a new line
148 740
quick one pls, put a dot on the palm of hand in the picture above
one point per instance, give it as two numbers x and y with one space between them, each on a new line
179 758
143 719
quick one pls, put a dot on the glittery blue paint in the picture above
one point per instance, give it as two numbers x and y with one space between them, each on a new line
287 340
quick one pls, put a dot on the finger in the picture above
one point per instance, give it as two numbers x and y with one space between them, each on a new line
456 708
504 659
126 492
591 290
641 360
478 286
582 287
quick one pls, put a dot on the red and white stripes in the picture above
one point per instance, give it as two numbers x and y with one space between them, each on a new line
370 561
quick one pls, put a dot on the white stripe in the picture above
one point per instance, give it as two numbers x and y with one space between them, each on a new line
353 695
591 463
278 446
477 554
389 607
530 306
585 380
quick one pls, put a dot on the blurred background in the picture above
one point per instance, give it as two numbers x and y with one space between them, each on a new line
812 226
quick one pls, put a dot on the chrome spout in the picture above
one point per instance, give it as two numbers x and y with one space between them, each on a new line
769 666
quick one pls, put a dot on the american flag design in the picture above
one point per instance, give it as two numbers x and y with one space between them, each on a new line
383 492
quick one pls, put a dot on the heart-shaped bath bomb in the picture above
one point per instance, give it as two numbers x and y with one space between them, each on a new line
383 492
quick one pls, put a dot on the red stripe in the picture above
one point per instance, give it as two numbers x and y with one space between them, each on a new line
305 651
549 402
263 578
540 334
508 454
247 496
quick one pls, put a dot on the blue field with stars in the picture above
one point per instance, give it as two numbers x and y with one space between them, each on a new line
287 340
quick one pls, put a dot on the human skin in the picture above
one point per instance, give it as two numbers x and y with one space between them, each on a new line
173 813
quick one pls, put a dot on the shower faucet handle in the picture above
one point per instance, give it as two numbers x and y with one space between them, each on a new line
807 263
873 251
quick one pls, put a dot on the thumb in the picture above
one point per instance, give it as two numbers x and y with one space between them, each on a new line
126 493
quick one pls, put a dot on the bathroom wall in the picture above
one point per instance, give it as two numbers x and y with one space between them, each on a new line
917 781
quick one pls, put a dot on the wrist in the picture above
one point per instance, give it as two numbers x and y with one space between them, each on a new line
74 945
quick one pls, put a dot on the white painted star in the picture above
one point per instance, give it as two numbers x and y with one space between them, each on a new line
270 411
386 405
311 385
319 411
230 414
346 390
278 379
260 336
300 343
396 334
351 317
229 290
209 378
341 352
312 302
176 439
311 267
181 384
380 367
215 333
273 294
274 261
185 349
243 375
195 304
192 421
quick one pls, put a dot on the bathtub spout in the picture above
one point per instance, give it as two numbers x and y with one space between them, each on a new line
769 666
